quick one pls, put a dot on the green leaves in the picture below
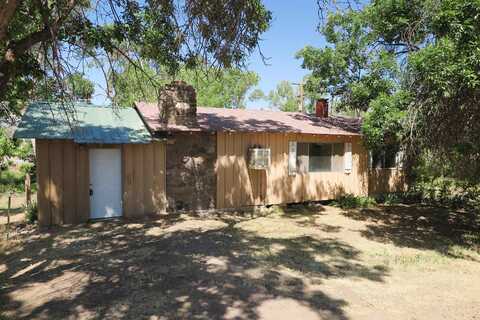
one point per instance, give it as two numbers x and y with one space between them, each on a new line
351 70
384 122
284 97
80 88
55 39
413 66
224 88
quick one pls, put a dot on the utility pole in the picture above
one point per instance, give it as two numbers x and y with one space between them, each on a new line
301 106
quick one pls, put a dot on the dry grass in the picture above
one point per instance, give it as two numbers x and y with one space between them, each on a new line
297 262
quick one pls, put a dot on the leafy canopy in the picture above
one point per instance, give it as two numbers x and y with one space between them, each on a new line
80 87
285 96
46 41
224 88
413 67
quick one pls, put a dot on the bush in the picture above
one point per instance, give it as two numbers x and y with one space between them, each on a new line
31 212
26 168
450 193
439 192
393 198
12 181
350 201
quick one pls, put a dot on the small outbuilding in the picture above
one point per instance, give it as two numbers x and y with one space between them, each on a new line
101 162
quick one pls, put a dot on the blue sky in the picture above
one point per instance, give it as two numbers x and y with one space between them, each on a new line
293 26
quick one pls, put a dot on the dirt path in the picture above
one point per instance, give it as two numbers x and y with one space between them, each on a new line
299 263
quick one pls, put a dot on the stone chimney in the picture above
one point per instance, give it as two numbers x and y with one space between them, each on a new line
321 108
178 104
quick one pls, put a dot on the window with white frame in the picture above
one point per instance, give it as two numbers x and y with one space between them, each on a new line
320 157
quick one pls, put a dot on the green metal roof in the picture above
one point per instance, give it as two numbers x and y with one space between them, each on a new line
84 123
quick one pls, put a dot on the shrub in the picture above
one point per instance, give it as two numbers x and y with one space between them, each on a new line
12 181
349 201
439 192
393 198
31 212
26 168
450 193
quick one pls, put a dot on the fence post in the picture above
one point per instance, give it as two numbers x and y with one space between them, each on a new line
8 213
28 189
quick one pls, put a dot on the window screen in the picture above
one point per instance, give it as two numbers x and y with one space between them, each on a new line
338 163
320 157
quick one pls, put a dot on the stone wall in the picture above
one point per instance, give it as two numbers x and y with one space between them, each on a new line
191 182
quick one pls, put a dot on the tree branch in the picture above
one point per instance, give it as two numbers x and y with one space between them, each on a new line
7 10
16 49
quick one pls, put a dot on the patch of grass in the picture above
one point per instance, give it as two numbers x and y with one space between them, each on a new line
350 201
425 259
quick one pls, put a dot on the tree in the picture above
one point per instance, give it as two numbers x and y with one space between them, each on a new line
283 97
79 87
224 88
414 63
351 71
43 40
256 94
6 148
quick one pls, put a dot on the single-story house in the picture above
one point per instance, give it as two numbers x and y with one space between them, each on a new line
100 162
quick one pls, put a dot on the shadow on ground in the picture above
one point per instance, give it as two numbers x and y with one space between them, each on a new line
174 269
421 227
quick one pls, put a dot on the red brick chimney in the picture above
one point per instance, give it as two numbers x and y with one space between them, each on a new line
321 108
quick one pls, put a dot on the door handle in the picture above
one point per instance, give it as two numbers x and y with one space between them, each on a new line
91 192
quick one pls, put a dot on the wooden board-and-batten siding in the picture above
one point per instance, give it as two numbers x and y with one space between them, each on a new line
63 180
239 186
143 167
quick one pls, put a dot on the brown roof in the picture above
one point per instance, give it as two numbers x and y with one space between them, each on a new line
247 120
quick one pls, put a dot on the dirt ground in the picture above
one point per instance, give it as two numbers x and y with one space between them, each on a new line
317 262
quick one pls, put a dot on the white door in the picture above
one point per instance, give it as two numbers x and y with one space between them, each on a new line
105 183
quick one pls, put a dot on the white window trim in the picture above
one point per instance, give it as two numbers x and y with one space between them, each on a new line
347 156
292 158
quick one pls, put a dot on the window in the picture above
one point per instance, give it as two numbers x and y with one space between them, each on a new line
259 158
385 159
320 157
